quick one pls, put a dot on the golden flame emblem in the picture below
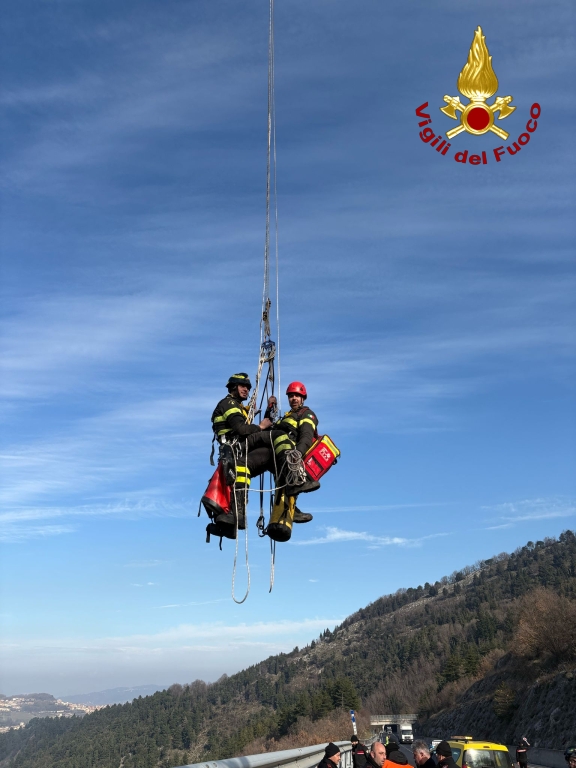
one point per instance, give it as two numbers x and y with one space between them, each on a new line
477 82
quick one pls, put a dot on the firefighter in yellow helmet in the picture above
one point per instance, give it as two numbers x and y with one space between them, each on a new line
237 438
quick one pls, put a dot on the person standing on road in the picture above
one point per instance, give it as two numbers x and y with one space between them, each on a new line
331 756
376 756
444 755
422 756
393 756
358 752
522 752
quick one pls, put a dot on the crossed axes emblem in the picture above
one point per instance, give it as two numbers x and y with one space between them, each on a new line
501 104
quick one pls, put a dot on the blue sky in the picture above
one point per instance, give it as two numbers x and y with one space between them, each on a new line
427 305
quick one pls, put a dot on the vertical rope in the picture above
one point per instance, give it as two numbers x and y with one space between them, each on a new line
239 602
265 355
276 215
272 564
265 325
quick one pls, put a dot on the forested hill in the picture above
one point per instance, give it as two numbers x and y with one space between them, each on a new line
431 645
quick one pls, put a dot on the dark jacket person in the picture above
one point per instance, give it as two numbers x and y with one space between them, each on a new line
422 756
331 756
358 752
444 755
376 756
394 756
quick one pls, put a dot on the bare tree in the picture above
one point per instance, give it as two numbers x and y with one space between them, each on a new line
546 626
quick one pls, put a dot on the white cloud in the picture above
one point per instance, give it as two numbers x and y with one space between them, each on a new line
378 507
513 512
337 535
184 637
16 534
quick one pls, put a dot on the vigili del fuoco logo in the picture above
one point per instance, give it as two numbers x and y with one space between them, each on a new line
478 83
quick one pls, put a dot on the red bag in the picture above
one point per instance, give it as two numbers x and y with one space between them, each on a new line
321 455
216 499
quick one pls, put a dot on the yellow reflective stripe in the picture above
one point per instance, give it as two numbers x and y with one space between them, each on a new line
281 448
281 439
292 422
223 431
230 411
243 481
218 419
243 470
308 421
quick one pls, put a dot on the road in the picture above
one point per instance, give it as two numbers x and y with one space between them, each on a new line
407 752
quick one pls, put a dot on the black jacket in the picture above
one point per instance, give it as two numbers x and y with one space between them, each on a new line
522 754
370 763
446 762
301 426
359 755
326 763
230 419
430 763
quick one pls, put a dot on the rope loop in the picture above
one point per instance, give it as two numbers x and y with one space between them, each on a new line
295 472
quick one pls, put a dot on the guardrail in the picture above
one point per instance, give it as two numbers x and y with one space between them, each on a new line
306 757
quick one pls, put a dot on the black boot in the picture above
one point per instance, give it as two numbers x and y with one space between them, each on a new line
221 530
237 510
228 463
307 487
302 517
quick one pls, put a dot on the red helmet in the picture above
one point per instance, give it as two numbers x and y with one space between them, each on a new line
297 388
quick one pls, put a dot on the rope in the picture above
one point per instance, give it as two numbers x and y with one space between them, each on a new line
265 326
295 472
239 602
273 110
272 564
268 348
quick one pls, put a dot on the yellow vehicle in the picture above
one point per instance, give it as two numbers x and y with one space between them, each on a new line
468 752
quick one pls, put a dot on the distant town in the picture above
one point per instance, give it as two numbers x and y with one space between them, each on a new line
17 711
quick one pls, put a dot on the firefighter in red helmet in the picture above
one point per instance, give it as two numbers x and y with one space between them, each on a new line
296 430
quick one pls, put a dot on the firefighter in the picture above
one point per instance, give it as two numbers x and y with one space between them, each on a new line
237 438
296 430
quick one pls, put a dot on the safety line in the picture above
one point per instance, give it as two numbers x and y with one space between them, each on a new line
239 602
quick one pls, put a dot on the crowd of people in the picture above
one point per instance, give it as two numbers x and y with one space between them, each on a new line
388 755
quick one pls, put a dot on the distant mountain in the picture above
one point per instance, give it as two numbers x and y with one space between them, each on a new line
113 695
489 650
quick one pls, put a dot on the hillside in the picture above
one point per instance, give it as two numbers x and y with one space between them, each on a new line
445 650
